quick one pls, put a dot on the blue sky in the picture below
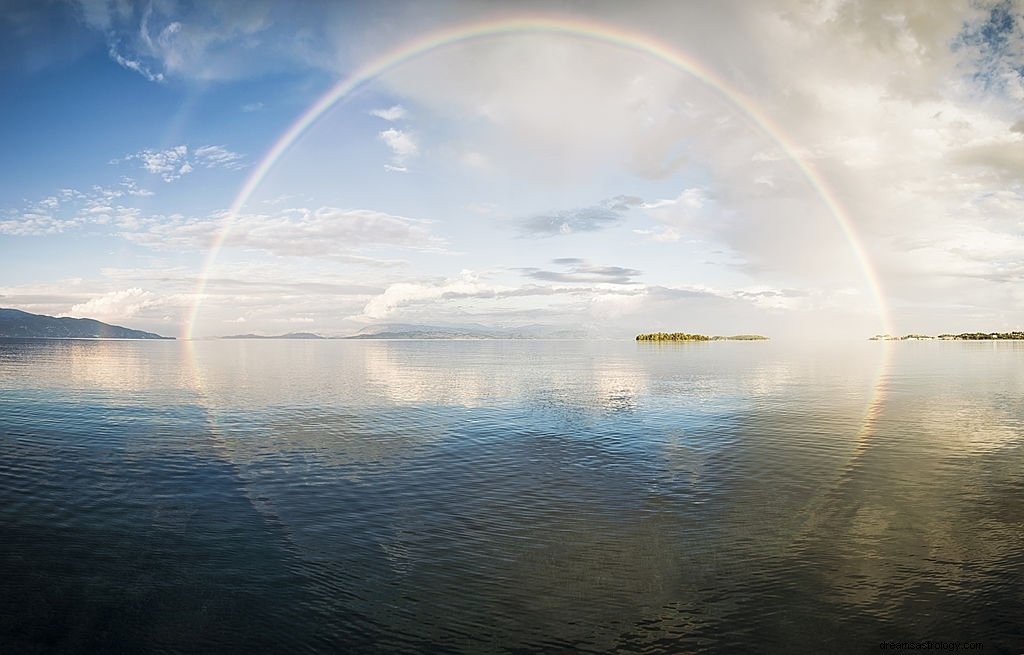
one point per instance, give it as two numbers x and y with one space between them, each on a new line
528 178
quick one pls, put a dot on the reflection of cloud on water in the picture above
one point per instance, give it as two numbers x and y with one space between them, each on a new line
902 538
619 388
413 373
768 378
97 366
481 374
970 430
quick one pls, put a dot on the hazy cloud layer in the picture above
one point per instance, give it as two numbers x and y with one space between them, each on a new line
327 232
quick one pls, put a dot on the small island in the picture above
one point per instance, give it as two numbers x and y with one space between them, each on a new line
685 336
963 336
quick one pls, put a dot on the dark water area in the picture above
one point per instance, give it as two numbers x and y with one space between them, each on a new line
510 496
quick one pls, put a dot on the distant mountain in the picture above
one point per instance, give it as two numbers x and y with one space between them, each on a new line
290 335
412 331
18 324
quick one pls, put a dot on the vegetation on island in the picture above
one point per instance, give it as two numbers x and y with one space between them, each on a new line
963 336
685 336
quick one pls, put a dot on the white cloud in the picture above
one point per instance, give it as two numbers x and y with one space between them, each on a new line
906 114
73 209
169 164
403 146
218 157
910 116
662 234
115 305
693 198
391 114
173 163
611 309
131 188
265 292
36 224
134 65
402 294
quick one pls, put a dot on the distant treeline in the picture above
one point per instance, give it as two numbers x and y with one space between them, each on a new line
965 336
685 336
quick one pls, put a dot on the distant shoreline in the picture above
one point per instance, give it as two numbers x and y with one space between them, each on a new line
22 338
17 324
963 336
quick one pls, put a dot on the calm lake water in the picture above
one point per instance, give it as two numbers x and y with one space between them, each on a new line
509 496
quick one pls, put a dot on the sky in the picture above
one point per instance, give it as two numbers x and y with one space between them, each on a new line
789 168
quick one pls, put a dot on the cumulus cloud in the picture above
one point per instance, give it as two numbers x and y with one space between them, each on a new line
437 295
218 157
403 148
902 115
405 293
613 310
72 209
115 305
692 198
35 224
170 164
173 163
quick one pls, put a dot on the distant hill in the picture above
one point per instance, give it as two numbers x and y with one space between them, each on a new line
23 325
290 335
412 331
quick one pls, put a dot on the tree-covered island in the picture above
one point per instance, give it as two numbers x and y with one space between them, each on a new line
685 336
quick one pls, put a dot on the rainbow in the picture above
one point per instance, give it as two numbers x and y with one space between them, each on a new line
614 35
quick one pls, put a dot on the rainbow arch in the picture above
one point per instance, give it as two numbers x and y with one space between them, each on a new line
549 24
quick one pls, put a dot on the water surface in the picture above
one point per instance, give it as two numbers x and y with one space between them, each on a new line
509 496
